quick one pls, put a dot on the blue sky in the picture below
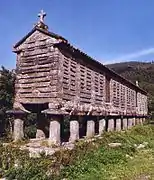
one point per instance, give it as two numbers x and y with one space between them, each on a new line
108 30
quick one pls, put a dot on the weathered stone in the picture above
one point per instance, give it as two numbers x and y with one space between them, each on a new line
18 129
90 128
40 134
118 124
114 145
110 125
130 121
137 121
124 123
74 130
144 119
133 121
141 121
54 131
102 124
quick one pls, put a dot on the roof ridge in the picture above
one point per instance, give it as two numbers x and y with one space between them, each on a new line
45 31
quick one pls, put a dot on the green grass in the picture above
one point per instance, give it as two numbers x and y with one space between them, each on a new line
125 162
88 160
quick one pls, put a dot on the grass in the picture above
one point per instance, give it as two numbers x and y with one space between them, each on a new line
122 163
89 160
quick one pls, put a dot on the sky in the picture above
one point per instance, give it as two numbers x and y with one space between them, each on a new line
108 30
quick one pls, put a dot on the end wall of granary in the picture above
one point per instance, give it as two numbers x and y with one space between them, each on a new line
37 70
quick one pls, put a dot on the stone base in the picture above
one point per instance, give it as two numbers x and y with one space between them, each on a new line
110 125
90 128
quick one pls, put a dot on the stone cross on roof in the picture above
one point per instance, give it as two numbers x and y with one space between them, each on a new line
41 15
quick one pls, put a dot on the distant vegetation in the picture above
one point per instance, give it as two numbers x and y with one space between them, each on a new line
138 71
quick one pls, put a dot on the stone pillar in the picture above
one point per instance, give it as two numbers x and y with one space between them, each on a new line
54 130
74 129
137 121
110 125
18 133
130 123
118 124
90 128
124 123
102 123
18 129
141 121
133 121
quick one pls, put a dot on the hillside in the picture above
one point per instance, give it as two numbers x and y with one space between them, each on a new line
138 71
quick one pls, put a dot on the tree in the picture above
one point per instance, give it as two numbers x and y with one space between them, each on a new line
7 81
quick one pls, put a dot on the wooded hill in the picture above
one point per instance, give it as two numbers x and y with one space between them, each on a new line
138 71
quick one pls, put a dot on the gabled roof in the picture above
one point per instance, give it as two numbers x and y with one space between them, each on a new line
36 28
76 52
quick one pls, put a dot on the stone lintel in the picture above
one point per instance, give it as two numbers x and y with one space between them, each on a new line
55 112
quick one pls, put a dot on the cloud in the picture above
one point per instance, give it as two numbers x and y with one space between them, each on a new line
131 56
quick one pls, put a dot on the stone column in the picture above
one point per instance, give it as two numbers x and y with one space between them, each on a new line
118 124
141 121
90 128
124 123
133 121
130 122
18 130
54 130
102 123
137 121
18 133
110 125
74 129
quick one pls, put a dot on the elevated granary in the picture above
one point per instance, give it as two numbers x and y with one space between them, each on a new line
57 79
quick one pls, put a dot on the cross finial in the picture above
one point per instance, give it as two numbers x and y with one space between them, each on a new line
137 84
41 15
